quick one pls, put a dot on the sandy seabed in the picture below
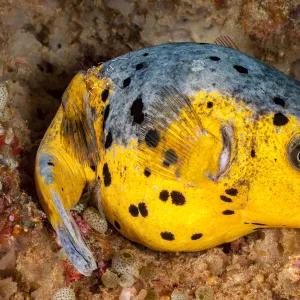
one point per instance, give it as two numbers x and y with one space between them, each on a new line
43 45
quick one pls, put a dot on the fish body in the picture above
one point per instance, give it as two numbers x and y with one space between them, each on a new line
194 145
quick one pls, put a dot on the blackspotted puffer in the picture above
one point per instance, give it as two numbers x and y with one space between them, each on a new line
194 145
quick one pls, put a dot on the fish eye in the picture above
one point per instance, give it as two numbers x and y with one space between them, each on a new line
294 153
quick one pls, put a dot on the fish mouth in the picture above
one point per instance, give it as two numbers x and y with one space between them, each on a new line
226 153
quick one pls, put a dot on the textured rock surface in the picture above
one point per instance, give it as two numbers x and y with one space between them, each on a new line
43 44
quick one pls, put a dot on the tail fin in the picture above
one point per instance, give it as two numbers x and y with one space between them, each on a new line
72 241
60 180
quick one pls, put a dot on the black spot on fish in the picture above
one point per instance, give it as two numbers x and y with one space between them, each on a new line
50 164
196 236
93 168
279 101
228 212
253 154
143 209
133 210
165 164
164 195
225 199
241 69
214 58
139 66
152 138
104 95
117 225
231 192
147 172
177 198
209 104
136 111
246 223
280 119
170 158
106 175
126 82
259 224
108 140
105 115
146 54
168 236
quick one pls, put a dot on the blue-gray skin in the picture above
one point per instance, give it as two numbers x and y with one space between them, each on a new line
72 241
46 168
191 67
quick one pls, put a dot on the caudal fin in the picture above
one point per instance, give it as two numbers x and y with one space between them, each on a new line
72 241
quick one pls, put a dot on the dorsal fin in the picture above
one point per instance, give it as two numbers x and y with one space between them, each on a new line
226 41
170 130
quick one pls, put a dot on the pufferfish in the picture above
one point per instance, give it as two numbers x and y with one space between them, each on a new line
193 145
